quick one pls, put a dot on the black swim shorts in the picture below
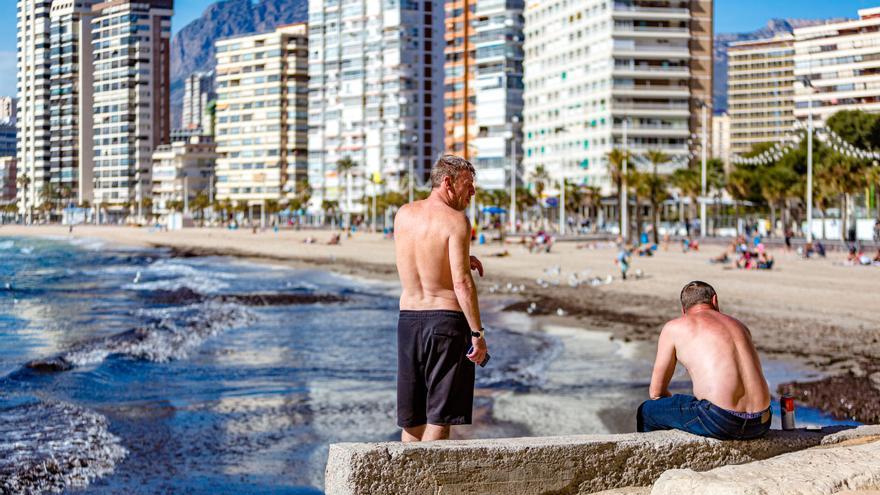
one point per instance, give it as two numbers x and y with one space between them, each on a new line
435 379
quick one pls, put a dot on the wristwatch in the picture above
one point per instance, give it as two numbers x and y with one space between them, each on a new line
478 334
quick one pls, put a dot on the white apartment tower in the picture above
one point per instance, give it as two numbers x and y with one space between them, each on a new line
760 91
71 100
32 21
498 39
375 94
198 91
262 100
593 67
841 61
130 41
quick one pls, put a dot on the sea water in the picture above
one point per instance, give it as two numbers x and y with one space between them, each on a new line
129 370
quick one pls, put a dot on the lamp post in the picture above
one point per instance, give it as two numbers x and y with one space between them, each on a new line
511 135
624 197
703 106
809 199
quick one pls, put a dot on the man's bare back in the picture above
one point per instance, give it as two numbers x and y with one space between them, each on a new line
721 360
422 232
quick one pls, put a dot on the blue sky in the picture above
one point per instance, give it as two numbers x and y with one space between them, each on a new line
730 16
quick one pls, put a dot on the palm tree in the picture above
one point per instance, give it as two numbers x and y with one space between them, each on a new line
689 182
23 182
656 188
539 177
200 203
344 167
616 157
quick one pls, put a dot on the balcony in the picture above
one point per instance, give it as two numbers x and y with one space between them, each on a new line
651 90
631 49
651 109
630 11
654 130
652 71
630 31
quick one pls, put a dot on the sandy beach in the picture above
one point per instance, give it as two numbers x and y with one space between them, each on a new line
816 311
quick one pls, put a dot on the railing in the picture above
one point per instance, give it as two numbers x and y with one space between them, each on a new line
658 10
654 68
652 29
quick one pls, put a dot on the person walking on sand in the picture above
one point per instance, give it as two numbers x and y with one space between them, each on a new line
439 312
731 398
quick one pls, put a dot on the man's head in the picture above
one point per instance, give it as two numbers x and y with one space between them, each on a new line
453 176
696 293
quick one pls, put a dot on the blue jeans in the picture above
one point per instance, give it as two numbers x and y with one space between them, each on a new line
700 417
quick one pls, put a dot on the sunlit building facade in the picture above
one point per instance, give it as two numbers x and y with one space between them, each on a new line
262 112
130 41
760 91
594 67
375 95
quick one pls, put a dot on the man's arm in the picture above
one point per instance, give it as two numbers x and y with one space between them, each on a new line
463 282
664 365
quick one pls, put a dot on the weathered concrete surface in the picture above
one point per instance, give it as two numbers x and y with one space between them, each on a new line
549 465
851 464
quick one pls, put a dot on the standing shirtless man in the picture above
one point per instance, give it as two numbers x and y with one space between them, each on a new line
439 313
732 400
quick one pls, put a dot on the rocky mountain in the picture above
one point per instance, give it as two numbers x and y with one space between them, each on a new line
722 41
192 49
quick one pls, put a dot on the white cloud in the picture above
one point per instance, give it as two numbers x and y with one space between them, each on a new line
7 73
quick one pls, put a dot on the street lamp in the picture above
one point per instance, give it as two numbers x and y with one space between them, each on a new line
624 197
512 136
703 107
807 84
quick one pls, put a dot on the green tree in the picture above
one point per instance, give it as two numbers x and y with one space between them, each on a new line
200 203
615 158
657 188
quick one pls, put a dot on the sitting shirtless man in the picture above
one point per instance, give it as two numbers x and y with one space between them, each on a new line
732 398
439 335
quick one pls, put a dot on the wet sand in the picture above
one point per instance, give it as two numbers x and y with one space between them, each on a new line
818 312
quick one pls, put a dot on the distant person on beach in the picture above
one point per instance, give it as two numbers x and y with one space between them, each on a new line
622 260
731 397
439 334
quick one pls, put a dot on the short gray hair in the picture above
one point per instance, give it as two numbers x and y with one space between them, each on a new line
449 166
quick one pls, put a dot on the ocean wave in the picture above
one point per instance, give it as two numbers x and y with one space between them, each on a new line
4 245
169 275
171 336
47 447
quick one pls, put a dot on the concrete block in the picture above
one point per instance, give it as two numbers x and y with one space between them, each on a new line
827 470
559 465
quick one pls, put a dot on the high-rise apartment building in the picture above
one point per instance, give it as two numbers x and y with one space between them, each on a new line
181 171
594 67
33 153
7 109
71 86
760 91
198 91
262 114
841 61
460 95
375 93
497 41
130 41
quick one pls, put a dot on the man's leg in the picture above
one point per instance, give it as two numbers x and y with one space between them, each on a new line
436 432
412 434
679 412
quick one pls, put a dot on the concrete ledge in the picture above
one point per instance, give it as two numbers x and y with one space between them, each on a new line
557 465
853 464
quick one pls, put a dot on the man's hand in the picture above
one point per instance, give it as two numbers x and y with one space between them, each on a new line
478 354
476 265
